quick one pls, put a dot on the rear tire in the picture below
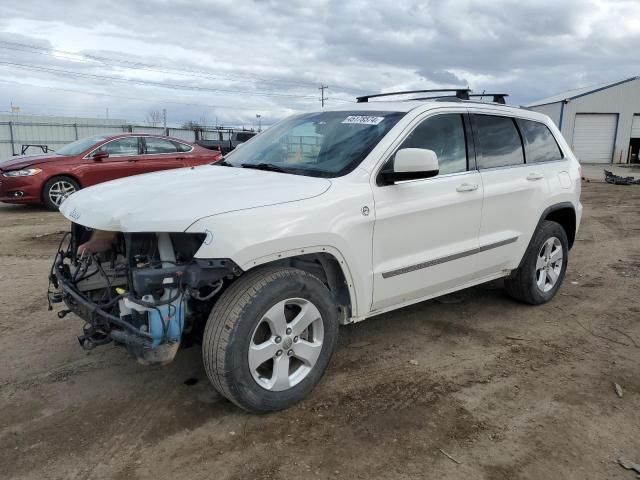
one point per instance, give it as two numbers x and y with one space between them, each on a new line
269 338
57 189
543 267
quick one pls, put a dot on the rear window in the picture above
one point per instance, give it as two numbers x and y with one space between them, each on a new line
540 144
500 144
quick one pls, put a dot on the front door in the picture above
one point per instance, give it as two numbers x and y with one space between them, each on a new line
426 231
124 155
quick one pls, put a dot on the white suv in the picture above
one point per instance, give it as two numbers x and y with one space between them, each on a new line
323 219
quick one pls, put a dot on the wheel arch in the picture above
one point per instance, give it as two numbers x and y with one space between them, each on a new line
326 263
68 175
564 214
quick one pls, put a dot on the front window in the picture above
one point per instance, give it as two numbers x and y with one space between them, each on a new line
122 147
326 144
445 135
79 146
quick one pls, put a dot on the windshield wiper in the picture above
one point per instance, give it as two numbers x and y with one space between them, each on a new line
269 167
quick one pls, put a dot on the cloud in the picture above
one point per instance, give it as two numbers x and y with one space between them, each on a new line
269 57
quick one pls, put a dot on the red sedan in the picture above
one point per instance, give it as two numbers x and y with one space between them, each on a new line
50 178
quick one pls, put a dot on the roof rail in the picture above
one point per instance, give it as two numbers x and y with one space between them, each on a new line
461 93
497 97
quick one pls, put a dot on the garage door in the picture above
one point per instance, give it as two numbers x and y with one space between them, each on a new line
593 137
635 127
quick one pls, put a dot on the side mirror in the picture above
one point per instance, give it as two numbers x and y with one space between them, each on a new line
99 156
412 164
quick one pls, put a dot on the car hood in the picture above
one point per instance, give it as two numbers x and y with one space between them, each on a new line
21 161
170 201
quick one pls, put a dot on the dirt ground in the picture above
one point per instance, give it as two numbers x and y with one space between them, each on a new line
508 391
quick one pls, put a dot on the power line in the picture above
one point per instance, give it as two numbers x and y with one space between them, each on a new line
173 86
135 98
115 62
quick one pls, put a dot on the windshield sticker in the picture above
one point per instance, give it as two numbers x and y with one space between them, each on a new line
363 119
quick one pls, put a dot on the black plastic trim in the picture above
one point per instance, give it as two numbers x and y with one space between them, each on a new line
448 258
545 213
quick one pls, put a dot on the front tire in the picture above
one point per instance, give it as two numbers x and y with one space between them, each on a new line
56 190
543 267
269 338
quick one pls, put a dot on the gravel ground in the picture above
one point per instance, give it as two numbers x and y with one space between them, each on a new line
472 385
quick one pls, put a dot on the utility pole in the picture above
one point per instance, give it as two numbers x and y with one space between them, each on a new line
107 113
259 117
164 120
322 88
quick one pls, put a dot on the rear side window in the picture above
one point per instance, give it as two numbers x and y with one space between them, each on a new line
182 147
499 141
159 145
540 144
444 134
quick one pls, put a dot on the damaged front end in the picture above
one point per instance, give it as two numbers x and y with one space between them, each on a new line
145 291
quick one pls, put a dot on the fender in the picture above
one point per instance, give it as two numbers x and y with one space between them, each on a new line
543 216
344 266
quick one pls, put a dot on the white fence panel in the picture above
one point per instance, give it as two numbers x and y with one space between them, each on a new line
54 132
183 134
151 130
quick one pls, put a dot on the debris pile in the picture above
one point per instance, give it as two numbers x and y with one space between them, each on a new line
611 177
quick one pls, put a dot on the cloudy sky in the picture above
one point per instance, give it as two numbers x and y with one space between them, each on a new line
227 61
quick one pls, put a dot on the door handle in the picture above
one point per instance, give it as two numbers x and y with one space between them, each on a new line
467 187
535 176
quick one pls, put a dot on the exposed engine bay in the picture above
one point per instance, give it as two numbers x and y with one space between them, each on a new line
145 291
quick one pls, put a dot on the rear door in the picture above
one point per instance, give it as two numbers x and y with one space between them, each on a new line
514 192
426 231
124 155
161 154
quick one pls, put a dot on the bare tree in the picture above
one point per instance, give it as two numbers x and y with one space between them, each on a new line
154 117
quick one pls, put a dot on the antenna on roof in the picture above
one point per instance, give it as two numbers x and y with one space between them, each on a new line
461 93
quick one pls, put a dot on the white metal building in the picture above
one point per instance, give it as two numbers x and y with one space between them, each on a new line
601 122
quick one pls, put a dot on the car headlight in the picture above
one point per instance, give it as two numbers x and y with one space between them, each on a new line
27 172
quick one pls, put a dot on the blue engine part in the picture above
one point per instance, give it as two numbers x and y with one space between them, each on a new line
166 322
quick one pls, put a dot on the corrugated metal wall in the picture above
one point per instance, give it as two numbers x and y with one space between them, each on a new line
54 132
552 110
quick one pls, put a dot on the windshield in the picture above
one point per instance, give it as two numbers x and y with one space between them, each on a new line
325 144
80 146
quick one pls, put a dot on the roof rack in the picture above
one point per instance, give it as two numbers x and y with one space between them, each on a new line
461 93
497 97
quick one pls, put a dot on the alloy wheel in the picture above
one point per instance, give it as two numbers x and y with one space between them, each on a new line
286 344
59 191
549 264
